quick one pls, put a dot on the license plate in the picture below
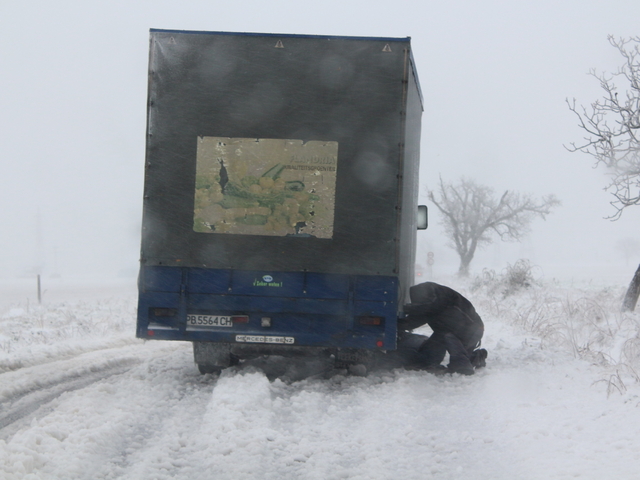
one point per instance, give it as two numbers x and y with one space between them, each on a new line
264 339
196 322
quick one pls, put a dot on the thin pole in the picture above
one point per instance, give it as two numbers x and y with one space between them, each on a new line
39 290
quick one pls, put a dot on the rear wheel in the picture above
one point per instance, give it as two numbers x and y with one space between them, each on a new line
356 362
209 369
233 360
213 357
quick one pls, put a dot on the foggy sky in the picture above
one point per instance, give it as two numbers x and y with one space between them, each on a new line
494 76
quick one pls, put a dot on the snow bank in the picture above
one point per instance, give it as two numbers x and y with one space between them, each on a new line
584 321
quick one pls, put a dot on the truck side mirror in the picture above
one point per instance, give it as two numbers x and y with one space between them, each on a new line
423 221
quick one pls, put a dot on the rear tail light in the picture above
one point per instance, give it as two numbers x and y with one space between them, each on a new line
240 318
370 320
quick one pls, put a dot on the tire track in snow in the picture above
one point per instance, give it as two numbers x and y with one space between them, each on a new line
128 424
58 353
22 406
25 392
161 433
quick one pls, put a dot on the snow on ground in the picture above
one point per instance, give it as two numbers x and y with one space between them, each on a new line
74 317
558 400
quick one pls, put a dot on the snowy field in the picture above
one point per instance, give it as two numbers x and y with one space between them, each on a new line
81 398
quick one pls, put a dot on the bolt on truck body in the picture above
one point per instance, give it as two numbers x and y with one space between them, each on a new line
280 198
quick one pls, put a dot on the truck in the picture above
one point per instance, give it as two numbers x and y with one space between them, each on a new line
280 210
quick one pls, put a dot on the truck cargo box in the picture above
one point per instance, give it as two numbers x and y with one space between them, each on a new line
281 183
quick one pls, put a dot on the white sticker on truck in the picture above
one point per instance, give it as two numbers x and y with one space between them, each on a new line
264 339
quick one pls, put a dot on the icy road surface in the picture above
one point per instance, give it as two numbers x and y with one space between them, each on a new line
133 410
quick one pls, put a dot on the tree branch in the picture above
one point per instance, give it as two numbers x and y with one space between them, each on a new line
612 125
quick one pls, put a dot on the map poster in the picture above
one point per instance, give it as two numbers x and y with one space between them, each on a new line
264 186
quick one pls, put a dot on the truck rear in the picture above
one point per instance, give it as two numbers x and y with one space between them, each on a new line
280 199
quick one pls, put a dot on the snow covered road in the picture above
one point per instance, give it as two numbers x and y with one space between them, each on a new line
81 408
26 390
530 415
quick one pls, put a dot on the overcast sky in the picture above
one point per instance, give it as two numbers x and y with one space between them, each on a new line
494 75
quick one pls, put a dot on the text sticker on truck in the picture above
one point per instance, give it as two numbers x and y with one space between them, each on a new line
264 339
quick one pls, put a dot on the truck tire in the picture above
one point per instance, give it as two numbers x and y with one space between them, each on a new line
209 369
213 357
356 362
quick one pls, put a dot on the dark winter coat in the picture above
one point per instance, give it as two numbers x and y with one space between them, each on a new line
446 311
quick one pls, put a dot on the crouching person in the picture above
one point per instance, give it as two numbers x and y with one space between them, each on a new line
457 329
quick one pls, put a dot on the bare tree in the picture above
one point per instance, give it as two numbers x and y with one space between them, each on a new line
472 215
631 296
612 126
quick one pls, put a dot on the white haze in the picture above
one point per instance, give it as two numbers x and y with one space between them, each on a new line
494 75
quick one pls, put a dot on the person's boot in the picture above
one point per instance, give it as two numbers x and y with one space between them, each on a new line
460 364
479 358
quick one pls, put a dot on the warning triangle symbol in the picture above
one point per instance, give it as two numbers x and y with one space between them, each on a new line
386 48
279 44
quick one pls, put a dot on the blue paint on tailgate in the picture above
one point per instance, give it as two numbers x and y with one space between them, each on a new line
316 309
